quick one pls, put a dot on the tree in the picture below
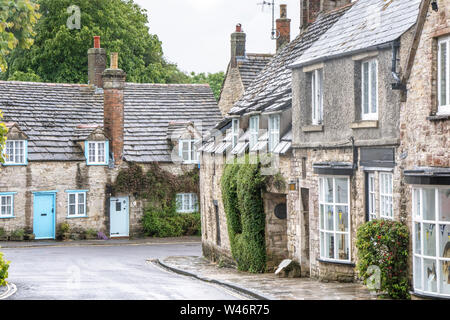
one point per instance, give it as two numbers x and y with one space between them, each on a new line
17 19
215 81
59 54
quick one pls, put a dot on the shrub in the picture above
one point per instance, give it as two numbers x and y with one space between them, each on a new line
90 233
64 228
4 266
242 186
385 244
19 233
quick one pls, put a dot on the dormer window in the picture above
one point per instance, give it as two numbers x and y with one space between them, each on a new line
97 152
16 152
274 131
188 151
254 130
235 132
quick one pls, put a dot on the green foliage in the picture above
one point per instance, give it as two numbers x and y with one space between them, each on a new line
385 244
3 133
28 76
18 233
2 232
4 266
64 228
17 19
162 223
60 54
242 186
90 233
215 81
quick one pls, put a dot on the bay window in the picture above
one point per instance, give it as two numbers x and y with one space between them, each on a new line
386 196
254 130
274 131
444 75
317 96
369 86
431 240
334 225
372 197
15 152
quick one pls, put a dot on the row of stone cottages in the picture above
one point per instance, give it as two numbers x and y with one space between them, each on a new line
67 143
356 111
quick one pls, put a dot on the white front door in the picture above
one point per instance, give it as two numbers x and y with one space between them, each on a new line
119 217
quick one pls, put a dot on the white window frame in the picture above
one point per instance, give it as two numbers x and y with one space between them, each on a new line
6 206
10 157
193 156
96 160
254 130
274 131
192 199
370 115
444 108
386 180
234 132
372 199
335 233
418 219
76 204
317 96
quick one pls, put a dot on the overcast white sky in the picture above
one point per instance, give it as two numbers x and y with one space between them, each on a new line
196 33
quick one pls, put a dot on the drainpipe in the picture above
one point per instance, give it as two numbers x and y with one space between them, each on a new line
397 85
355 154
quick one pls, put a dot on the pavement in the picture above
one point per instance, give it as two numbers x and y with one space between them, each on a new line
266 286
116 270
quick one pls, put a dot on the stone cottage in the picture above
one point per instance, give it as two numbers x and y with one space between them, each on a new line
242 69
346 101
260 122
67 143
424 151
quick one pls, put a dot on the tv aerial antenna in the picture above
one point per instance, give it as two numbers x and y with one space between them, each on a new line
275 34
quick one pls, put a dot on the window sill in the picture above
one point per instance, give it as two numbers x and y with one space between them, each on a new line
345 263
15 164
438 117
9 217
427 296
77 217
364 124
313 128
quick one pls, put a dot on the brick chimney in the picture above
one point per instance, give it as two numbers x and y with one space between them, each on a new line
283 28
237 43
96 63
310 9
113 107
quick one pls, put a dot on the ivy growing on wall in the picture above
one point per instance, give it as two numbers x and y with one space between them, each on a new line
242 186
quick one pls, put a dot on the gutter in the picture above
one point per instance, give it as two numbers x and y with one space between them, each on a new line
398 84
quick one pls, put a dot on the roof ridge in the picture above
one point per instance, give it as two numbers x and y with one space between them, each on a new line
169 84
50 84
268 55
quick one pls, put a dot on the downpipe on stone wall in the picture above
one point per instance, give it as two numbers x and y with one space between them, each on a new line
397 85
355 153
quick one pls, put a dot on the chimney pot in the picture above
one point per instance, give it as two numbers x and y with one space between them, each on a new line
238 27
114 60
283 11
97 42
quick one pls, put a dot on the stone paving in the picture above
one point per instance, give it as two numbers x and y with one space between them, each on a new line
269 285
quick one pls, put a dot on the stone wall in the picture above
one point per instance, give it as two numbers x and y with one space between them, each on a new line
232 89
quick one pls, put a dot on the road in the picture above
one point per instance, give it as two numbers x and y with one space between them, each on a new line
106 273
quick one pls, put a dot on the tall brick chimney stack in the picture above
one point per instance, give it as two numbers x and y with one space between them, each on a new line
96 63
113 107
238 39
310 9
283 28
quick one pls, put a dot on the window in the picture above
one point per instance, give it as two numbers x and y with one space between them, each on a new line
317 96
431 240
76 204
386 202
274 131
97 152
15 152
254 131
187 202
188 151
444 75
369 86
334 207
235 131
6 205
372 197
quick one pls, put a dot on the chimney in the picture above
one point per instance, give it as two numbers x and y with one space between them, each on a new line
283 28
310 9
113 107
96 63
237 43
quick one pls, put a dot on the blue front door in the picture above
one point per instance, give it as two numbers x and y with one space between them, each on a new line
44 216
119 217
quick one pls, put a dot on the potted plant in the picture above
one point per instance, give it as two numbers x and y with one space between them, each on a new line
3 235
91 234
18 235
64 231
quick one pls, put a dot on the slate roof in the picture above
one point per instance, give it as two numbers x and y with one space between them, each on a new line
56 116
251 66
368 24
271 89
